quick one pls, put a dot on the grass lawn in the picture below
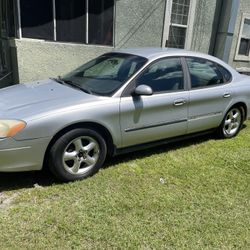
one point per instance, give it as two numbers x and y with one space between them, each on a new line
189 195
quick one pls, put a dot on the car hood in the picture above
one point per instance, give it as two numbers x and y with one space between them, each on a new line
31 99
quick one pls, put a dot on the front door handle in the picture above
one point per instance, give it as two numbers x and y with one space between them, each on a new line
226 95
179 102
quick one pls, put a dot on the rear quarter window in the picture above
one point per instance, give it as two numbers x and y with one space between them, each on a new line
226 74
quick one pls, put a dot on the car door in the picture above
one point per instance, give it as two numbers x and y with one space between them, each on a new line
210 95
158 116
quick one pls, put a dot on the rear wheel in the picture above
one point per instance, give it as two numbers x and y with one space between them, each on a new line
231 123
77 154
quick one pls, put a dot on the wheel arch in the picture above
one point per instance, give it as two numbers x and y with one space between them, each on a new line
90 125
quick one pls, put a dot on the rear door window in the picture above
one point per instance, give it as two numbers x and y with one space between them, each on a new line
204 73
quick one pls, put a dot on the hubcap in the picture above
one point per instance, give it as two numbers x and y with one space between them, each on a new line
232 122
80 155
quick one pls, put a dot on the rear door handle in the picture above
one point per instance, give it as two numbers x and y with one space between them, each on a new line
179 102
226 95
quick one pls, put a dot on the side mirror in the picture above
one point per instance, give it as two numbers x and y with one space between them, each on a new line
143 90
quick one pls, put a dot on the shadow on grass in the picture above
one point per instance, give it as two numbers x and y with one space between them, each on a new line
16 181
157 150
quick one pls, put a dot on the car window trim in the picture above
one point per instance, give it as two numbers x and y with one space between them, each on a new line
216 64
131 86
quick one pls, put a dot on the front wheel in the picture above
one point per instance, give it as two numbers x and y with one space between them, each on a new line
77 154
231 123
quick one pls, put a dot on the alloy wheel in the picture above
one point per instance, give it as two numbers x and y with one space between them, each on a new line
80 155
232 122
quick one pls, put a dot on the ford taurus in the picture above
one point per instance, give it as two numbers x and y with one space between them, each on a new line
118 102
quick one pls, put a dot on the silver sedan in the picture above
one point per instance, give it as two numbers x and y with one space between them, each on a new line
116 103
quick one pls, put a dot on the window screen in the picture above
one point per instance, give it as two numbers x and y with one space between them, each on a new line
179 16
70 20
37 19
177 37
11 19
244 48
3 21
3 64
1 60
180 10
101 14
7 18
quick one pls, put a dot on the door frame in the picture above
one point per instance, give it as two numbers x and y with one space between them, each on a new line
127 93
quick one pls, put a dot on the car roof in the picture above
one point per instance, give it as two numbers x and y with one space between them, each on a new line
154 53
149 52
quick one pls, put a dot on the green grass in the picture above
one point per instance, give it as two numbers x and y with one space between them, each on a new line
189 195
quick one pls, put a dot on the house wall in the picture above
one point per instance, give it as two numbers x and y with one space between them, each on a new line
139 25
204 18
37 59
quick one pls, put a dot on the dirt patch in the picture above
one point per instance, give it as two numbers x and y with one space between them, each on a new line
6 201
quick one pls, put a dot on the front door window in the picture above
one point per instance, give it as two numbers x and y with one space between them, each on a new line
163 76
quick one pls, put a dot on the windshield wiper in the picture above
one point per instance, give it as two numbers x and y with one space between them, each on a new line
71 83
77 86
57 80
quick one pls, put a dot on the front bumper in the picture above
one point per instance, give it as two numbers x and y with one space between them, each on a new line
26 155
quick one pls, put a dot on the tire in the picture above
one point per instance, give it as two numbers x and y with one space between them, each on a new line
231 123
78 154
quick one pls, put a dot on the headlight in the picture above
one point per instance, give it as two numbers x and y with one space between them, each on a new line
9 128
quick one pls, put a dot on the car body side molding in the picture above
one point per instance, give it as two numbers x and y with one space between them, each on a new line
119 151
155 125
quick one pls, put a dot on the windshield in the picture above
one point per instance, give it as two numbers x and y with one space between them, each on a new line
105 74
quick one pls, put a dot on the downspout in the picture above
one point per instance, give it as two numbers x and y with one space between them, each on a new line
224 37
230 30
215 29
